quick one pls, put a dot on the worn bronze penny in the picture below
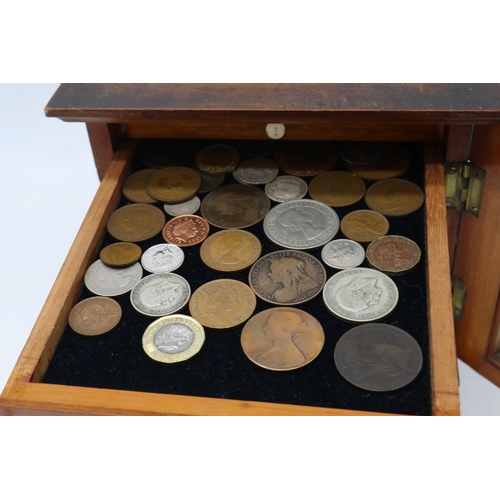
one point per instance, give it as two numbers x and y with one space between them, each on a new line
378 357
95 316
174 184
230 250
185 230
282 338
393 255
217 159
160 153
364 226
134 187
394 197
337 189
121 254
360 153
136 222
223 303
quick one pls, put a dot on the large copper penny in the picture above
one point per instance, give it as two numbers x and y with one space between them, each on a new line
394 197
160 153
174 184
95 316
136 222
364 226
287 277
337 189
185 230
230 250
222 303
235 206
393 254
121 254
217 159
282 338
134 187
378 357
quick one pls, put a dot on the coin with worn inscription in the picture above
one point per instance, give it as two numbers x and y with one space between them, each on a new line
301 224
257 149
95 316
173 184
360 295
186 230
256 171
306 158
360 153
282 338
110 281
217 159
134 187
209 182
343 254
136 222
287 277
286 188
337 189
394 197
173 338
160 153
378 357
223 303
393 255
235 206
230 250
160 294
120 254
188 207
364 226
162 258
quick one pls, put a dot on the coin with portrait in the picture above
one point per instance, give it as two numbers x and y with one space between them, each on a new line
343 254
134 187
173 184
286 188
110 281
217 159
393 254
364 226
136 222
337 189
120 254
95 316
162 258
394 197
185 230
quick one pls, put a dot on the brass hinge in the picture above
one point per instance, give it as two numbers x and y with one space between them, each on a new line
458 292
464 187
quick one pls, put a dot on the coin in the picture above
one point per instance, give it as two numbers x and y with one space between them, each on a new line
136 222
360 295
217 159
162 258
174 184
282 338
306 158
394 197
209 182
235 206
343 254
337 189
301 224
189 207
173 338
378 357
364 225
185 230
160 153
286 188
393 254
134 187
222 303
256 171
230 250
109 281
95 316
287 277
360 153
120 254
160 294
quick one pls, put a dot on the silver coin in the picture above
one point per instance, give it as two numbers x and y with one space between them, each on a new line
301 224
187 208
286 188
162 258
256 171
360 295
160 294
343 254
111 281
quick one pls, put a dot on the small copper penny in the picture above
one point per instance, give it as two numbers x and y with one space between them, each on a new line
136 222
222 303
282 338
95 316
134 187
393 255
217 159
337 189
121 254
160 153
174 184
364 226
186 230
394 197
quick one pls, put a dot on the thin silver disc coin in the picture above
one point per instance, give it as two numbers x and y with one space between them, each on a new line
111 281
187 208
343 254
162 258
256 171
286 188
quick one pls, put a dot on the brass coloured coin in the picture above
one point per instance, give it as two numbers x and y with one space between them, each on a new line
120 254
337 189
364 226
174 184
393 255
95 316
217 159
394 197
134 187
136 222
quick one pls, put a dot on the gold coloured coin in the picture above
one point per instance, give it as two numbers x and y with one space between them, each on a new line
394 197
282 338
217 159
222 303
337 189
393 255
121 254
174 184
95 316
134 187
364 226
136 222
173 338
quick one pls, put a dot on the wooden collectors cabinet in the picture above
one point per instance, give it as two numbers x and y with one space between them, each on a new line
454 122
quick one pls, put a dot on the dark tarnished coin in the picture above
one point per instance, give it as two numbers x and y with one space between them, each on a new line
160 153
235 206
209 182
95 316
121 254
136 222
256 171
217 159
287 277
186 230
393 255
360 153
174 184
378 357
282 338
134 187
364 225
394 197
337 189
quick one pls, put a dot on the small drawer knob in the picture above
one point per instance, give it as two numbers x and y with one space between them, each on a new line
275 130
